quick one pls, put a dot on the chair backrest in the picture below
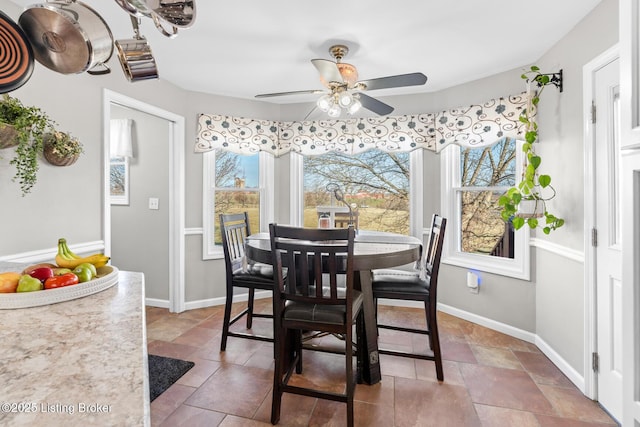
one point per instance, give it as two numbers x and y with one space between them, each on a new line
234 229
313 254
434 252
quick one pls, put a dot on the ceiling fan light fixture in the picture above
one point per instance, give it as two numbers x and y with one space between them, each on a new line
325 102
334 111
354 107
345 99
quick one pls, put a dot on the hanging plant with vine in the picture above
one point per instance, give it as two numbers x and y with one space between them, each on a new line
532 184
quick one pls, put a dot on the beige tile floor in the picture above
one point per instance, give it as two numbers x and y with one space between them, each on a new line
491 379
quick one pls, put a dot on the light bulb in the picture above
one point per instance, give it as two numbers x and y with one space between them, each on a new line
354 107
345 99
324 103
334 111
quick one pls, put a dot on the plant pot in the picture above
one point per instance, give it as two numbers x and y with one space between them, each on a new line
8 136
55 158
531 208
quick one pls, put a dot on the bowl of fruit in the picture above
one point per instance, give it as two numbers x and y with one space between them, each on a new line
72 276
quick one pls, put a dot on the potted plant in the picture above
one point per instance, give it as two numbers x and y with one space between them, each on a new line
61 149
27 127
525 203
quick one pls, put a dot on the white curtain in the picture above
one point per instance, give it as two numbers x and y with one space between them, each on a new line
121 144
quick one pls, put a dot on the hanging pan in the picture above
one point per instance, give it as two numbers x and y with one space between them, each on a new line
16 55
135 56
68 37
140 9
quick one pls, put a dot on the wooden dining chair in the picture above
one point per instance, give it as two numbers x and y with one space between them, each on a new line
416 286
235 229
316 295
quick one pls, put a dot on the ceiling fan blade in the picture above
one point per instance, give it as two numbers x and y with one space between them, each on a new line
412 79
328 70
295 92
374 105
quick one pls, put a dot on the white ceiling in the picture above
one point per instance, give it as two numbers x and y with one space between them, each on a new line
241 48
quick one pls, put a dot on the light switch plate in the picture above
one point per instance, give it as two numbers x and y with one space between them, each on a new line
154 203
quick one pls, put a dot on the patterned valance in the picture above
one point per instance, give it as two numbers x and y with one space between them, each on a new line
473 126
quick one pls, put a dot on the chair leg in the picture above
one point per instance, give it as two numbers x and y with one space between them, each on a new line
279 361
227 319
350 378
298 347
250 308
427 316
435 340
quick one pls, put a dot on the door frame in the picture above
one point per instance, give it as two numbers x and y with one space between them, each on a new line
590 314
176 189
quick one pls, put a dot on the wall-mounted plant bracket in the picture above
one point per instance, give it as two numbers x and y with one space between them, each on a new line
554 79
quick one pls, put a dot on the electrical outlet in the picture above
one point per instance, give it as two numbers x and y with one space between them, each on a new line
473 282
154 203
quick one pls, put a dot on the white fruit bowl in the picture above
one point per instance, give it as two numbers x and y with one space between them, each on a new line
107 277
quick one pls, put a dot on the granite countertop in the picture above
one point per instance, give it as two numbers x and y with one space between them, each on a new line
79 362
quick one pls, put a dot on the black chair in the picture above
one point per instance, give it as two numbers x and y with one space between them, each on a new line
414 286
316 295
234 229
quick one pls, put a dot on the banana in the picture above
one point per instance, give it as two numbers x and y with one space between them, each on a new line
65 258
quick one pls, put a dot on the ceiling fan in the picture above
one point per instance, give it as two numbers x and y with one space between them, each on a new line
345 91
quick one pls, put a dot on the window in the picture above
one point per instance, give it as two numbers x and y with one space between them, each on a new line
119 180
375 183
477 237
235 183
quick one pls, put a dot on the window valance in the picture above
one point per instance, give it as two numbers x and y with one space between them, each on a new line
473 126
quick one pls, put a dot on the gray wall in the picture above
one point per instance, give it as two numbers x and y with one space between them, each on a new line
140 236
551 305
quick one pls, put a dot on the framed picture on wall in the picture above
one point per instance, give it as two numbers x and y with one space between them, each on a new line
119 180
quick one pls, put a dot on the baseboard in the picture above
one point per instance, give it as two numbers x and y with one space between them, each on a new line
211 302
154 302
574 376
489 323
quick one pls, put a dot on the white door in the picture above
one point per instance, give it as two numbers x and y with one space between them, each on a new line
608 250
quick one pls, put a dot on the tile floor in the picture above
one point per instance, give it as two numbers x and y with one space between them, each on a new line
491 379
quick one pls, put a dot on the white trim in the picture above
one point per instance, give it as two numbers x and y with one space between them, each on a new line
568 370
193 231
589 255
557 249
211 302
176 188
489 323
296 188
209 249
267 185
573 375
154 302
416 200
47 255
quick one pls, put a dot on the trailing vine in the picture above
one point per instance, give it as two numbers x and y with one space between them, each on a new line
532 183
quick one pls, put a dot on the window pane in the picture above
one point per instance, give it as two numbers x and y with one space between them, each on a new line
375 181
237 170
483 229
237 188
489 167
229 202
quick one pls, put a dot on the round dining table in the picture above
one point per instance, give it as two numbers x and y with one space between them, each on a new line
372 250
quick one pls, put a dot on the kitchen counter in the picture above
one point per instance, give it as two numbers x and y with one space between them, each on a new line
79 362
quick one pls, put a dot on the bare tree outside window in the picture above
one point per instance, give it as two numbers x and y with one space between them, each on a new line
376 181
485 173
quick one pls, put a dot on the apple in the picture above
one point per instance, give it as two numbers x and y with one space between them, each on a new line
59 271
41 273
9 281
